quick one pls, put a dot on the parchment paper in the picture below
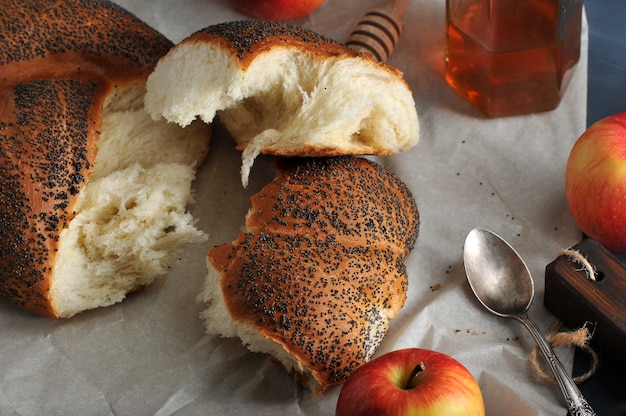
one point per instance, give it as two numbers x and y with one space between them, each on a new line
149 355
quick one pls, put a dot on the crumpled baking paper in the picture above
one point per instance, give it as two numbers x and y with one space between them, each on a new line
149 355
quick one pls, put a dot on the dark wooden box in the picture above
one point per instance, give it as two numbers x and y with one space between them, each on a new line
576 300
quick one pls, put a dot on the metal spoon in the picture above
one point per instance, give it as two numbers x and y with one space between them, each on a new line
502 283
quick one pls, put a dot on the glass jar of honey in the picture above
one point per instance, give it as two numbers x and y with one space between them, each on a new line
511 57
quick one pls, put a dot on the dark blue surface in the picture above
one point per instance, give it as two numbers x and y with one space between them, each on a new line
607 58
606 391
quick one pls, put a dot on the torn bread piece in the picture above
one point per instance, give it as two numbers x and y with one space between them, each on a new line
283 90
94 191
319 272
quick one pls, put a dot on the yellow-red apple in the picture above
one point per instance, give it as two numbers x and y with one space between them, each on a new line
411 381
595 182
276 10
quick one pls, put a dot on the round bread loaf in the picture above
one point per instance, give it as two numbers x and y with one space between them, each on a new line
284 90
319 271
93 190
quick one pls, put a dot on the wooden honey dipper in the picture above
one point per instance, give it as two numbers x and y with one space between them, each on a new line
379 30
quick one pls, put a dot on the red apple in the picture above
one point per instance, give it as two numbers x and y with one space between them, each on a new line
276 9
411 381
595 182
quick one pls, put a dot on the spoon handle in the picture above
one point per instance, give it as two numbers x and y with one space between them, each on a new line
576 403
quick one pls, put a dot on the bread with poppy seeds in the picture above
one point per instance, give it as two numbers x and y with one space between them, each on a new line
93 190
319 271
284 90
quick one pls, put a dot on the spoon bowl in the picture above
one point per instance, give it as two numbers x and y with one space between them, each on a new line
497 274
502 282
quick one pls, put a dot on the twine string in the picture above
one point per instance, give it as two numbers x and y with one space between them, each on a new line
579 338
576 256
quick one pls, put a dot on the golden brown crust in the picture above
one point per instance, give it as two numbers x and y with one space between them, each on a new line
358 201
59 60
246 39
322 261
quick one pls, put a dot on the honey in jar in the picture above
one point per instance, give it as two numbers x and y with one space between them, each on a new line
511 57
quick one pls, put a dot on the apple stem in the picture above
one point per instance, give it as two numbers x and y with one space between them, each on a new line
416 371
